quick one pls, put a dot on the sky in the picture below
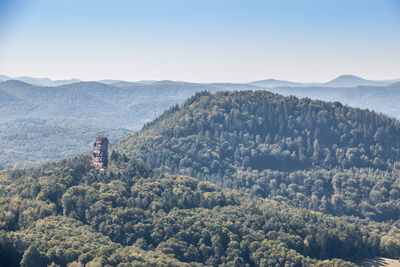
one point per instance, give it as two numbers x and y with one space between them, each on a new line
200 41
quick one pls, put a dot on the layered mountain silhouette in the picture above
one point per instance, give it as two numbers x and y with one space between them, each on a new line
275 83
113 104
340 81
39 81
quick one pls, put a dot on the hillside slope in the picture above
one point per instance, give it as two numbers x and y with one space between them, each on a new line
261 130
379 98
316 155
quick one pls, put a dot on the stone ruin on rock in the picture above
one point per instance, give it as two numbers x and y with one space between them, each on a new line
100 153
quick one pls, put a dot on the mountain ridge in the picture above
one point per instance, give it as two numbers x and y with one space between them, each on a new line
344 80
131 105
39 81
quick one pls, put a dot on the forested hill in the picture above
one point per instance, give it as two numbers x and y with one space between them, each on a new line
216 134
314 155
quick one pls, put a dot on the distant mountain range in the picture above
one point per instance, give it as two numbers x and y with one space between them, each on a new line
113 104
122 101
39 81
127 105
341 81
85 108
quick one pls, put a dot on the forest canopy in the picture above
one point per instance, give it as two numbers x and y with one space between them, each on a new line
230 179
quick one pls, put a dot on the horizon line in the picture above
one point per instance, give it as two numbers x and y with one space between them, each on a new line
188 81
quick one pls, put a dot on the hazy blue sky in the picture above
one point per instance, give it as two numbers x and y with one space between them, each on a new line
205 40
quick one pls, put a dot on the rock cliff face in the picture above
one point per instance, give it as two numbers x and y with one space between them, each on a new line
100 153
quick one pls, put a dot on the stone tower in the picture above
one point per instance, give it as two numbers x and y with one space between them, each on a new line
100 153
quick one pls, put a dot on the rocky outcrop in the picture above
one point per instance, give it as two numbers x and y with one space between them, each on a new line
100 153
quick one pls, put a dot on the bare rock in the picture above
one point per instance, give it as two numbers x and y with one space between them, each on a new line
100 153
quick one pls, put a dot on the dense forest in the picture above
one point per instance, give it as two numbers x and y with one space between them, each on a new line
316 155
259 130
128 214
229 179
